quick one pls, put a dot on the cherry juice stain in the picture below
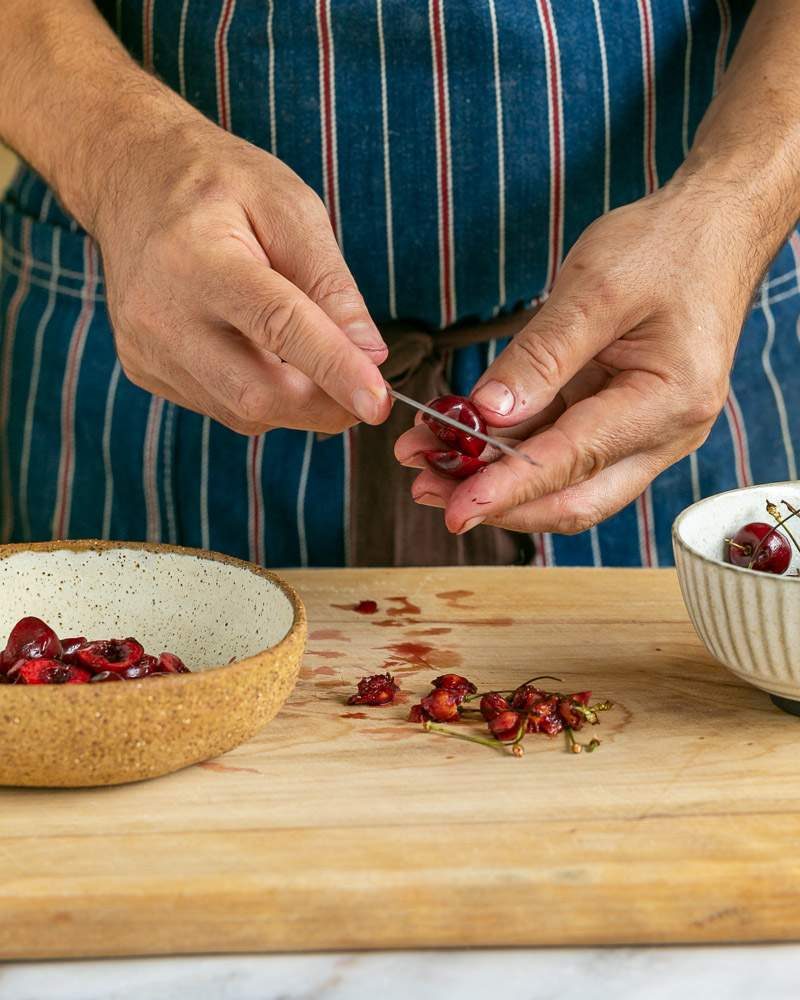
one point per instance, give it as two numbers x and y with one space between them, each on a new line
367 607
308 672
453 597
212 765
325 654
406 607
396 622
441 630
422 656
354 715
329 633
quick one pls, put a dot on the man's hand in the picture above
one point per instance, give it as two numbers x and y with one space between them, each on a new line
625 368
227 291
621 373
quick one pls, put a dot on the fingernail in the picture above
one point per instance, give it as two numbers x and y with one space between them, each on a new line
473 522
367 403
495 396
429 500
365 335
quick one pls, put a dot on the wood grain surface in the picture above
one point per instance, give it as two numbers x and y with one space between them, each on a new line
333 831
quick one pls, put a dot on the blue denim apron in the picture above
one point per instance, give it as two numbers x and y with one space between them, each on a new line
461 147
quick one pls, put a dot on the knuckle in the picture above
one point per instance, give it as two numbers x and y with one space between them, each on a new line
333 283
574 521
542 357
311 202
252 405
274 323
705 405
582 461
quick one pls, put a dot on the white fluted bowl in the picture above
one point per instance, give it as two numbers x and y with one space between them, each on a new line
750 621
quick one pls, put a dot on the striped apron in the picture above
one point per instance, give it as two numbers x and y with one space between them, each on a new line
461 146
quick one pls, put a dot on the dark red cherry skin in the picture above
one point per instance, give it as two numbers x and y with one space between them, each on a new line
453 464
31 638
106 675
462 410
70 645
773 556
108 654
169 663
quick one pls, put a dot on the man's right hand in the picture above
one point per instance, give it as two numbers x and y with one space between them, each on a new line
227 291
226 288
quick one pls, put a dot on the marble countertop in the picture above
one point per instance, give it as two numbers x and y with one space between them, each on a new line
715 973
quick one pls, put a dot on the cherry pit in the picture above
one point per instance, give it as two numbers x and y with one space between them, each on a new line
34 654
461 456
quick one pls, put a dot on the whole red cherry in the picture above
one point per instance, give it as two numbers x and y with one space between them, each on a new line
31 638
771 549
453 464
462 410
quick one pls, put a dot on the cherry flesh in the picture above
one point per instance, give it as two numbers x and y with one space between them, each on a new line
462 410
109 654
454 464
378 689
35 655
46 671
31 638
761 547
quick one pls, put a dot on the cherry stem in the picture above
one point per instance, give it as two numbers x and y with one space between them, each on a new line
433 727
541 677
763 541
773 512
577 747
736 545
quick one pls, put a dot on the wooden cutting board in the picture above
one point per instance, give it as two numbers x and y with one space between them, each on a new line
334 831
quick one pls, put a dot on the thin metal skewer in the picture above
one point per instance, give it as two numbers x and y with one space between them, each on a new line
451 422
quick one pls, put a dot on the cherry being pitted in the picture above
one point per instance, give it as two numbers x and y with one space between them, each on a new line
35 655
461 409
454 464
460 457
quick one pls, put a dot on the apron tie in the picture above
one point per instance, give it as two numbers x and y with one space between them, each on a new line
386 527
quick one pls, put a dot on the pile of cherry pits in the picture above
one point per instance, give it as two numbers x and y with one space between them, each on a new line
34 654
509 715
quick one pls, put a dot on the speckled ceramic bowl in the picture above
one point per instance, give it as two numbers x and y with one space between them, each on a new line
749 621
205 607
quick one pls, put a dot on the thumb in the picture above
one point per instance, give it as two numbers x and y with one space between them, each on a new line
311 259
566 333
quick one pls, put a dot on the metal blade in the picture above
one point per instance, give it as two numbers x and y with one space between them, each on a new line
451 422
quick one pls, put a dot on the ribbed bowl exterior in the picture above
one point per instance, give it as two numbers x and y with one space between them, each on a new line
749 621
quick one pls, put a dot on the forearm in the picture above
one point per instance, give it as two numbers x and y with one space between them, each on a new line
72 100
747 148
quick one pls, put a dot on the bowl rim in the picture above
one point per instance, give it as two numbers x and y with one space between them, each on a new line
680 542
296 631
